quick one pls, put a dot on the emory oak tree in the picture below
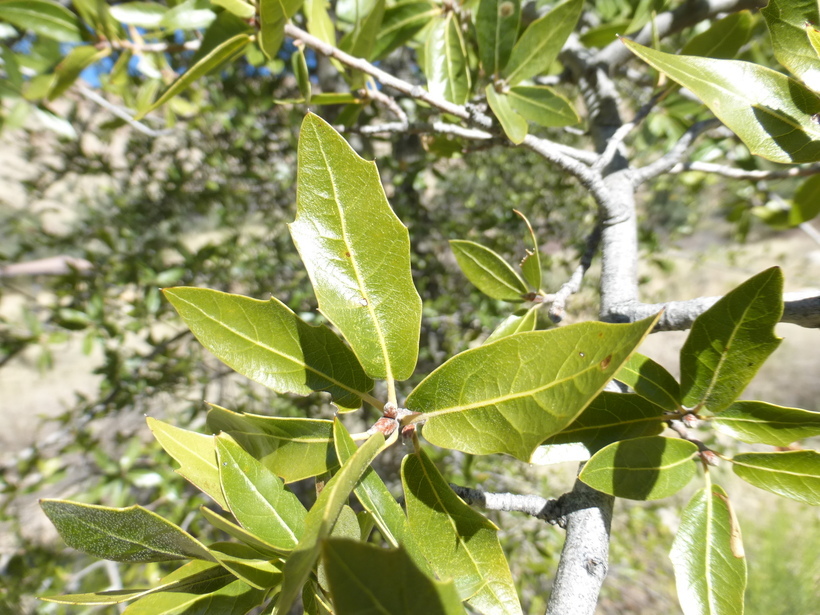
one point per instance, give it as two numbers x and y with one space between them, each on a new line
497 72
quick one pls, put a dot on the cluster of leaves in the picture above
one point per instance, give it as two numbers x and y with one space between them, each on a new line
534 395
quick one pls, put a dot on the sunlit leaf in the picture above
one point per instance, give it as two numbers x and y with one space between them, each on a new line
142 14
273 15
730 341
723 39
268 343
247 564
132 534
320 520
445 61
401 22
366 579
520 321
707 554
241 534
257 497
291 448
44 18
359 42
188 15
195 454
542 105
511 395
497 30
240 8
649 468
611 417
786 20
460 543
300 71
759 422
793 474
651 381
771 113
490 273
538 47
357 252
514 125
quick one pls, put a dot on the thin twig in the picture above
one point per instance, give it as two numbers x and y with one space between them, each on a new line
119 112
674 155
735 173
573 285
389 102
618 138
533 505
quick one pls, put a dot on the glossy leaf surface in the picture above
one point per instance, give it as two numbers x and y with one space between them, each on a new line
268 343
445 61
496 26
45 18
220 54
651 381
401 22
273 15
612 417
538 47
460 543
514 125
240 8
511 395
195 454
786 20
132 534
542 105
759 422
771 113
710 577
223 594
320 520
188 15
241 534
520 321
649 468
357 252
793 474
367 579
142 14
257 497
490 273
291 448
730 341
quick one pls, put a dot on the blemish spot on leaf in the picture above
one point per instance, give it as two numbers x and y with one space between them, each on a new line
605 363
581 354
506 9
347 254
362 302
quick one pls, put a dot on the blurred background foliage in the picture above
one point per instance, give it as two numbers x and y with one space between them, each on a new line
205 202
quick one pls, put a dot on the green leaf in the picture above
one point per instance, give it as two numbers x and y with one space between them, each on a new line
538 47
273 15
357 252
805 204
361 40
376 499
710 569
319 23
291 448
69 69
223 594
188 15
366 579
793 474
771 113
515 126
496 26
511 395
257 497
542 105
531 263
241 534
141 14
224 27
44 18
723 39
814 37
401 22
730 341
651 381
220 54
612 417
603 35
320 520
240 8
520 321
300 71
460 543
649 468
195 454
445 61
268 343
248 564
490 273
131 534
786 20
759 422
